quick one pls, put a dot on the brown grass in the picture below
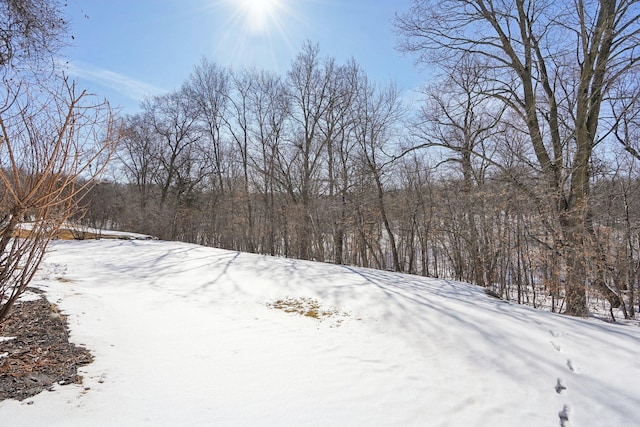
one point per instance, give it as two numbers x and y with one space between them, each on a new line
307 307
67 234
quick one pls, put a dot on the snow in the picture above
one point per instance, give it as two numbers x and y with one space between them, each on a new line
191 336
27 296
114 234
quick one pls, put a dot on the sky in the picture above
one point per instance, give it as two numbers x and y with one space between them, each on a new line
127 50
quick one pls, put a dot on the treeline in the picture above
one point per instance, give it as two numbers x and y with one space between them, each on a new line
324 164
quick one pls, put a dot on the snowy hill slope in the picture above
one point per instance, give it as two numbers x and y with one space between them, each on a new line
187 335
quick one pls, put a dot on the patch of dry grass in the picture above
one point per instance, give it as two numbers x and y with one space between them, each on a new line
307 307
65 233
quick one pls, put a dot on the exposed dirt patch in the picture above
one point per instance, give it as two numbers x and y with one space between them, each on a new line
35 352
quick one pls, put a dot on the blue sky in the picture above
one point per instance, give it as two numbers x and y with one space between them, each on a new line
125 50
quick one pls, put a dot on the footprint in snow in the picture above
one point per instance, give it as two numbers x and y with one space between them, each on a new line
554 334
564 416
560 387
557 347
572 366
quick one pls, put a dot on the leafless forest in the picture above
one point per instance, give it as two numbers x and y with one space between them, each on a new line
515 168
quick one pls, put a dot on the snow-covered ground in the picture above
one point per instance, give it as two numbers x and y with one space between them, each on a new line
185 335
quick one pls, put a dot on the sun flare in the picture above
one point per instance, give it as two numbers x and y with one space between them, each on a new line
259 15
256 32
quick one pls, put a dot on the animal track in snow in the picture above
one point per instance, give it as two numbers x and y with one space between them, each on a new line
572 366
560 387
557 347
564 416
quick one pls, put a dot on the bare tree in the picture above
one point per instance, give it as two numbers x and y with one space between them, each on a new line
53 141
377 113
270 112
311 82
209 88
336 128
139 157
173 117
624 103
554 63
53 144
458 117
239 127
30 31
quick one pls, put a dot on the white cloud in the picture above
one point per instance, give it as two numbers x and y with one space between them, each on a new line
124 85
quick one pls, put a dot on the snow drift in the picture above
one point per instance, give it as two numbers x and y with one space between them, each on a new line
192 336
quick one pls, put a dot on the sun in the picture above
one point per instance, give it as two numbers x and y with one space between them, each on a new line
259 15
256 33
